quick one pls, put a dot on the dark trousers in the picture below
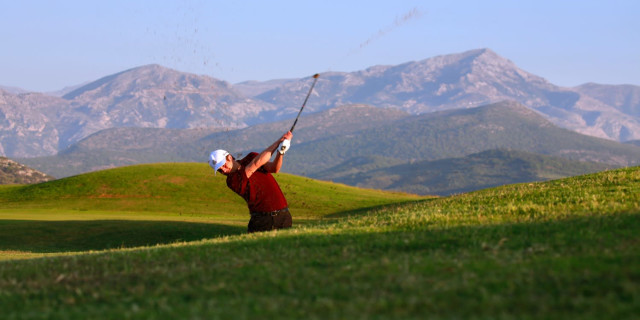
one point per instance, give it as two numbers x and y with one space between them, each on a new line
265 221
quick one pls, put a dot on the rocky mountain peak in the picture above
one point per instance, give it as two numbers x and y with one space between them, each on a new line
148 77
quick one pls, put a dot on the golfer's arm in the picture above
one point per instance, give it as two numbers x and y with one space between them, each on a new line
263 160
274 166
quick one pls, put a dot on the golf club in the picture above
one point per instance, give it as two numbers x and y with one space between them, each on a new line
315 79
286 143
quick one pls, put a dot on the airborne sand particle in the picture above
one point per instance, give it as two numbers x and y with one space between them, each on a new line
398 22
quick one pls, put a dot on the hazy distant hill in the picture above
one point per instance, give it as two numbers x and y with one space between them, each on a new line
124 146
456 133
12 90
255 88
324 139
26 125
12 172
118 147
625 98
457 175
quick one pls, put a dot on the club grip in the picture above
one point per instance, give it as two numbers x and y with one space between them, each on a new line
284 146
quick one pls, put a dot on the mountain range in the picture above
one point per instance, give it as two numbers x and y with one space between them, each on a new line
447 124
152 96
329 142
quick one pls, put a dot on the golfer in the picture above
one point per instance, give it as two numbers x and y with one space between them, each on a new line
250 177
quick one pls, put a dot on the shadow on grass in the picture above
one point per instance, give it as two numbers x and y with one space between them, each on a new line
65 236
580 268
365 210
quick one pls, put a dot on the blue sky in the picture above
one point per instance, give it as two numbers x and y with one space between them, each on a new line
48 45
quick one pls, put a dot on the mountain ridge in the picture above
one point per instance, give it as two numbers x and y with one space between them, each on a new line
155 96
325 138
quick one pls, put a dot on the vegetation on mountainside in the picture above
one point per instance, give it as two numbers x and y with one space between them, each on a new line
457 133
323 140
457 175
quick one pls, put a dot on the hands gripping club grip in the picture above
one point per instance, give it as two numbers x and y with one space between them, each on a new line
284 146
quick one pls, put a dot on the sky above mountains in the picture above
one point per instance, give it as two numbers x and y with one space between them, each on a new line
48 45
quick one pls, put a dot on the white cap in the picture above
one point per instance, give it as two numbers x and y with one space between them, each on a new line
217 159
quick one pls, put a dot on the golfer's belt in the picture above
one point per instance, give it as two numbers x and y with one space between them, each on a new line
270 213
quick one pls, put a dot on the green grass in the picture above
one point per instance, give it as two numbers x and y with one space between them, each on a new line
153 204
56 236
188 189
564 249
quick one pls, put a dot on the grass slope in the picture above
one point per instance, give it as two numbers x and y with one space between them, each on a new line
184 188
563 249
150 204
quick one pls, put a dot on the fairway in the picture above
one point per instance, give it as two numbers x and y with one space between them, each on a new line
563 249
146 205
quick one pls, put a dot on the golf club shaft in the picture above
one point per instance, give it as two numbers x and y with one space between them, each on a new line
315 79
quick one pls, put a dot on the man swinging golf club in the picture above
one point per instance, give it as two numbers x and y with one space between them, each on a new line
250 177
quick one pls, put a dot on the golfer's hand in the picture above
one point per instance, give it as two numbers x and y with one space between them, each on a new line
285 142
284 146
287 136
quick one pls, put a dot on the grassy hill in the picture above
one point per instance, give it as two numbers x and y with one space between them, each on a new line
162 197
563 249
184 188
456 175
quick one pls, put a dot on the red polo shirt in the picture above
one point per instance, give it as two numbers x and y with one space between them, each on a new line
260 191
